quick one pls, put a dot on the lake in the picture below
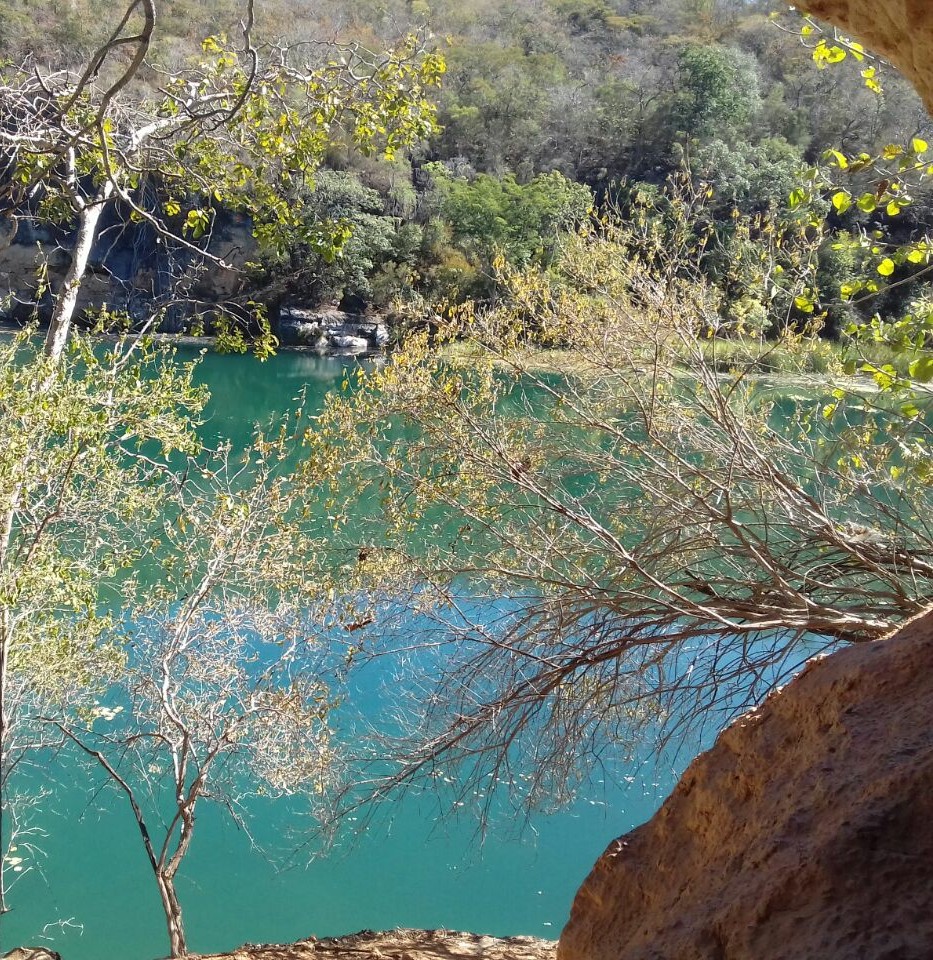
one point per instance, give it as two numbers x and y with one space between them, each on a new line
92 895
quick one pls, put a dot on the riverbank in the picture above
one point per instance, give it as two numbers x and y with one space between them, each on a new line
809 358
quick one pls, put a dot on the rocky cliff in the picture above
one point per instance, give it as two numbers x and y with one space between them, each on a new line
805 832
130 268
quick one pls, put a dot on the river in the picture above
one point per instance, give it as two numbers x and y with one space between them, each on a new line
91 895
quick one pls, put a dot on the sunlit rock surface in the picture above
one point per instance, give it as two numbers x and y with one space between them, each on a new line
899 30
805 832
401 945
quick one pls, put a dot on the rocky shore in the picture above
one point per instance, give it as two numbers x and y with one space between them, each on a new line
367 945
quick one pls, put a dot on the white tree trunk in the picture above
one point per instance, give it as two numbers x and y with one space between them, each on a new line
67 298
173 919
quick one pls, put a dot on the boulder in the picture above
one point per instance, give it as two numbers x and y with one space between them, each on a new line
298 327
31 953
348 344
803 833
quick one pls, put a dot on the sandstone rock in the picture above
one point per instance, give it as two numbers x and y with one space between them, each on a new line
31 953
899 30
400 945
803 834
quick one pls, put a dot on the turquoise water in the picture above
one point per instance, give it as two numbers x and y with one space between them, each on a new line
416 865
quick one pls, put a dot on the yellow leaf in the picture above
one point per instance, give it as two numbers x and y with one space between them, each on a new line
886 267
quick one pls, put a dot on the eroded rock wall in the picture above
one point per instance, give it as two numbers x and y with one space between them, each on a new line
805 832
899 30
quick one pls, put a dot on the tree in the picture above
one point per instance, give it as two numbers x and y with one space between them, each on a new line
90 447
718 92
617 532
85 468
162 618
246 129
491 215
339 202
222 693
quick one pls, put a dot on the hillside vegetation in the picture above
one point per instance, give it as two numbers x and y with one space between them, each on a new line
549 108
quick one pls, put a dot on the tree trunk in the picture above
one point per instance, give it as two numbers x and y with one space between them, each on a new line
67 299
173 919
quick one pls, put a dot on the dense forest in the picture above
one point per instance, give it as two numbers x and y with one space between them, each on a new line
551 108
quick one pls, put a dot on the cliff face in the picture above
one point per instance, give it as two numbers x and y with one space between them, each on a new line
804 832
129 269
899 30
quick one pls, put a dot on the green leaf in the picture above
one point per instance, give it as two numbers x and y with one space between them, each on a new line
804 303
922 369
841 201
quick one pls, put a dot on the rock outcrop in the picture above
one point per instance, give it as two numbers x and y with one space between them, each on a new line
899 30
130 269
805 832
400 945
330 331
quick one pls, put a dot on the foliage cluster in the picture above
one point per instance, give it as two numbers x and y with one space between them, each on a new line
638 533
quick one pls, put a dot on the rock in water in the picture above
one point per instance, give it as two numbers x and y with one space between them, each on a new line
330 331
805 833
